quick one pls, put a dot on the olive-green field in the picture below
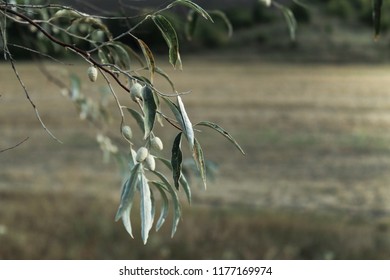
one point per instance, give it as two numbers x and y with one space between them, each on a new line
314 183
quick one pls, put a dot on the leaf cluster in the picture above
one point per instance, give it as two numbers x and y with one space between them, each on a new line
133 70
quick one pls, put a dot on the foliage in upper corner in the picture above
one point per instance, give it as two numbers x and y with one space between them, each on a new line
132 67
362 9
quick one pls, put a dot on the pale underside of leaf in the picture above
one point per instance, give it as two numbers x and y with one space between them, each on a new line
164 207
127 222
127 197
175 200
128 191
145 208
186 123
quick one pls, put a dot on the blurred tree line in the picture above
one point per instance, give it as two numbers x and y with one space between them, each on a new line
253 23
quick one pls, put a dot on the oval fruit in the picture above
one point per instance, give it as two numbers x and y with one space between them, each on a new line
142 154
127 133
157 144
136 91
150 163
92 73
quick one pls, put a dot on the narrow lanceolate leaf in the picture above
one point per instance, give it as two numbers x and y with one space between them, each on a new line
132 155
190 27
175 110
138 118
183 181
186 187
170 37
146 208
164 207
148 57
128 191
186 123
176 160
223 132
103 56
291 22
194 7
176 211
175 200
127 222
150 108
162 73
120 55
290 19
165 161
153 205
376 14
127 197
221 15
199 160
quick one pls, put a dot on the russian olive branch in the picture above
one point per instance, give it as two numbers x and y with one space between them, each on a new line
84 54
114 62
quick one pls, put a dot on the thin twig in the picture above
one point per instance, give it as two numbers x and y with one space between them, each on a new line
115 97
14 146
39 53
29 98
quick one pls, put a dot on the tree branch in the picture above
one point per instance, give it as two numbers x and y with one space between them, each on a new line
86 55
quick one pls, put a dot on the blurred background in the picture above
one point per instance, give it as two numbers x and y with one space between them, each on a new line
313 116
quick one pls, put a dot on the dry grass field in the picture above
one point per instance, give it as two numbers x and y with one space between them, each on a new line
314 182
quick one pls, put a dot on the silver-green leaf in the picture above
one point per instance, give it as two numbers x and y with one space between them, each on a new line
222 131
150 108
175 200
221 15
200 162
194 7
186 123
127 222
169 34
162 73
150 61
145 208
128 191
164 207
290 19
138 118
186 187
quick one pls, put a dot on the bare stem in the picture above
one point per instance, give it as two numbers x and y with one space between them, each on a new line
14 146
